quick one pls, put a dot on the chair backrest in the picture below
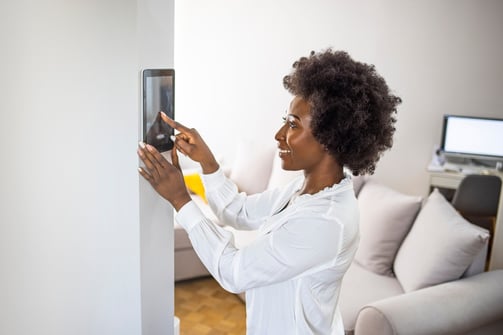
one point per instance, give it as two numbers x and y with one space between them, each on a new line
478 195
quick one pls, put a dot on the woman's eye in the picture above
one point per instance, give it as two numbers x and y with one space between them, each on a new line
291 124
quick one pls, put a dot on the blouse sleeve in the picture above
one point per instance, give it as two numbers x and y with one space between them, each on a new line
241 211
300 244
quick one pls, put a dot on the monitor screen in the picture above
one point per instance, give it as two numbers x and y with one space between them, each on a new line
158 95
474 137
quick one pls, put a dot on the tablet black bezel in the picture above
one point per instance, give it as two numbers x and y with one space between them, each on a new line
149 73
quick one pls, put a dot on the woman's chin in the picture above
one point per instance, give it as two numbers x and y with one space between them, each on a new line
285 166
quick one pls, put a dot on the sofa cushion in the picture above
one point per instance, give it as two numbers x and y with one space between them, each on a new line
385 219
181 238
467 306
251 168
358 182
361 287
188 265
440 246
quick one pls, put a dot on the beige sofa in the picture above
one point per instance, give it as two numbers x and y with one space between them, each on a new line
418 270
187 264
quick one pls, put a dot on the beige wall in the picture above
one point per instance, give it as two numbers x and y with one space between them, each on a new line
439 56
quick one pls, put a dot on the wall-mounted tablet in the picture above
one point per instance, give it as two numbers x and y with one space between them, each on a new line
158 95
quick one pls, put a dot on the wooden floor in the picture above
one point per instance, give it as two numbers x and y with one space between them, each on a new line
204 308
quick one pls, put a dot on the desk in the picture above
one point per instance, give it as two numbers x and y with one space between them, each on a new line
451 180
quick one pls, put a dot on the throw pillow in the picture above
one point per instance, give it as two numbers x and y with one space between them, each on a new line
251 168
440 246
385 219
358 182
195 185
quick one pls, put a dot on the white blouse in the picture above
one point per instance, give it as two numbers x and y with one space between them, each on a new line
292 272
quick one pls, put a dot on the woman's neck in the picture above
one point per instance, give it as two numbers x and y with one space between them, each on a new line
321 178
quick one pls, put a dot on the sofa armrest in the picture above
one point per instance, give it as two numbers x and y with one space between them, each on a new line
456 307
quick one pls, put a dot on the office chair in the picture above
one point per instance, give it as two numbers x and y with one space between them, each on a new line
478 195
476 199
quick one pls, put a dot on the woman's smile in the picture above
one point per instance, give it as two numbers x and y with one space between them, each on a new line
284 152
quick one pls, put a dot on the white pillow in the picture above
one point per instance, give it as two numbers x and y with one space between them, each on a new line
385 219
358 182
440 246
251 168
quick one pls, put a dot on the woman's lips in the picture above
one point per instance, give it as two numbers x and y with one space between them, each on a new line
283 152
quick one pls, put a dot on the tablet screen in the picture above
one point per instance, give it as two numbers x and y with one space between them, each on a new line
158 95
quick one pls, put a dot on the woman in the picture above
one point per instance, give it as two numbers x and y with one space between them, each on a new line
342 115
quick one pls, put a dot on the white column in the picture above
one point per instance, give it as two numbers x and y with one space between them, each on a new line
155 50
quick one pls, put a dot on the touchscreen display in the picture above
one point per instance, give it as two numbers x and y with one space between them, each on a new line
158 95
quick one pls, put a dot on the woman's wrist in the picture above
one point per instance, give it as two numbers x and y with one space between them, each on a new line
180 202
210 167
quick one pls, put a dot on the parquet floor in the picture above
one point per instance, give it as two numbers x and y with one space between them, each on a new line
204 308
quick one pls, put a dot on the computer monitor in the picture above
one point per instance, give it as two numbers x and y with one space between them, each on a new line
475 138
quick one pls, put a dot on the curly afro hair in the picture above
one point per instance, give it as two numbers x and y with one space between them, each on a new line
353 111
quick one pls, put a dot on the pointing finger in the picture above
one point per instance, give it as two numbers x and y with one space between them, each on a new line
174 124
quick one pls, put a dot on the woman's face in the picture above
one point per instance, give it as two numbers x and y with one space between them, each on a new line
298 149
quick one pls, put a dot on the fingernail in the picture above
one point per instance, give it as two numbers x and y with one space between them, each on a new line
162 113
173 138
141 144
149 147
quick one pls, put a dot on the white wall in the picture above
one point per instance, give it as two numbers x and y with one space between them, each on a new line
155 29
439 56
70 248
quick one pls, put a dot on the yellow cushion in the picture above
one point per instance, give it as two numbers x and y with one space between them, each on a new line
195 185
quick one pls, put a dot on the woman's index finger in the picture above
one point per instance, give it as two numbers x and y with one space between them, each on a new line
174 124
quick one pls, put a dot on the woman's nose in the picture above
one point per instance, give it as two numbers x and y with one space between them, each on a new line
280 134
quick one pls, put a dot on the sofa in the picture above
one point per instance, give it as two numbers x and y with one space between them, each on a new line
419 268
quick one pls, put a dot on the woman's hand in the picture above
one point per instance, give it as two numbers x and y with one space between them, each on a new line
191 144
165 178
